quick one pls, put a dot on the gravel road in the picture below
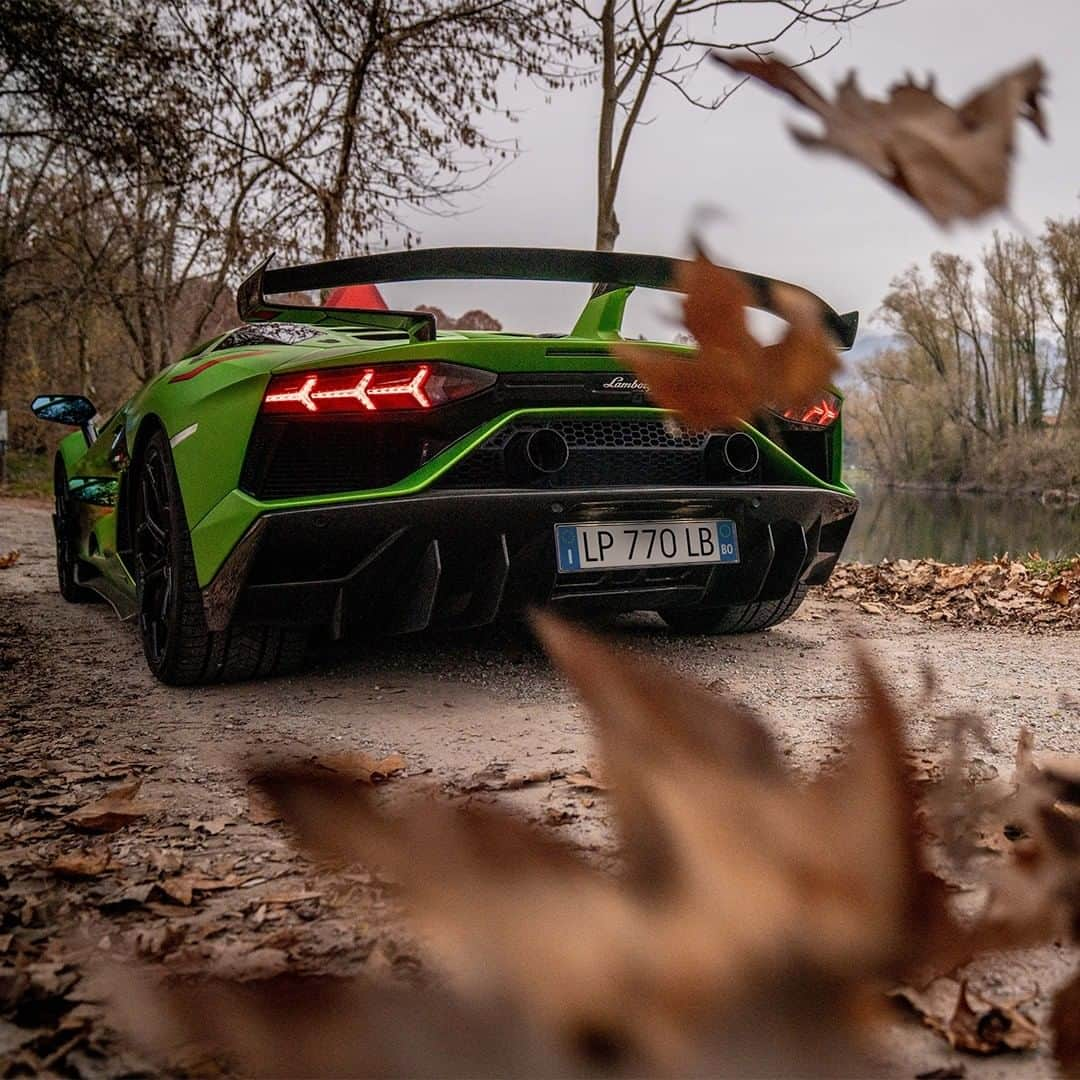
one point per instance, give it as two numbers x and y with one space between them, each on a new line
74 690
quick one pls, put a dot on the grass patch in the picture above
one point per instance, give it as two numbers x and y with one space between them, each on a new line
28 474
1036 564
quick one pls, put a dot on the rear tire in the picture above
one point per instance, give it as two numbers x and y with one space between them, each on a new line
179 648
736 619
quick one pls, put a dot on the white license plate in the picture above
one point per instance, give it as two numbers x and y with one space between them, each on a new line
625 544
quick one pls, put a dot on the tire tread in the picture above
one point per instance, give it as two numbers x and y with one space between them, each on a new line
736 619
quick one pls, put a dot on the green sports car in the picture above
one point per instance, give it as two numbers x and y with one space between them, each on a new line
327 470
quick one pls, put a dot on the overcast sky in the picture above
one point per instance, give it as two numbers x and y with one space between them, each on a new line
810 218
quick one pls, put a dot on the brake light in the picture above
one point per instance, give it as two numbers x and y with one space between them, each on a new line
376 389
821 413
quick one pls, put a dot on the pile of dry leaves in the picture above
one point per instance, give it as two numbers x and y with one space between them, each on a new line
997 592
93 862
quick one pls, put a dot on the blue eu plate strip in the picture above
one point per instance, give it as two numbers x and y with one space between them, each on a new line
728 541
569 557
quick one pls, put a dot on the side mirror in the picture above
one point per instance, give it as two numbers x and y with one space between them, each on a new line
71 409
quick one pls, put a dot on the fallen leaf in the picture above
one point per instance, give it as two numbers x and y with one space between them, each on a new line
587 782
176 889
952 161
116 809
732 376
78 865
165 861
968 1020
297 897
985 1027
1058 593
538 776
360 766
872 608
9 559
490 778
14 1037
181 889
914 609
212 826
125 899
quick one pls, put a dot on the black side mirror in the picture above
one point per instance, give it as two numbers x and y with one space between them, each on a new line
71 409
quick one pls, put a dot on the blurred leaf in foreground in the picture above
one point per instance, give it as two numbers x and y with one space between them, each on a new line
952 160
753 929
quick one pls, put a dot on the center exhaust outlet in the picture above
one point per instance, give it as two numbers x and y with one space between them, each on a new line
536 453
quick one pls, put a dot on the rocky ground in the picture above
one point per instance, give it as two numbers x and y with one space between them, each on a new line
182 868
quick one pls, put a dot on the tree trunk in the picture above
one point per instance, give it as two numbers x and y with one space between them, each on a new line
607 224
5 339
607 231
334 201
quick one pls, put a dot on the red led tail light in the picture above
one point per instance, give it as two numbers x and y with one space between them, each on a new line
820 413
376 389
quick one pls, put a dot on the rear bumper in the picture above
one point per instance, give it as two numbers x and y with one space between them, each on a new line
458 558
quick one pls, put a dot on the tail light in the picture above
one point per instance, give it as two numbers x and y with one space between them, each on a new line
377 389
819 413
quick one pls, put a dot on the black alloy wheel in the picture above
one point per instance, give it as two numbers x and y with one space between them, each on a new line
180 648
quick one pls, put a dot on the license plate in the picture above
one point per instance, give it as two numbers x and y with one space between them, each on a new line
622 545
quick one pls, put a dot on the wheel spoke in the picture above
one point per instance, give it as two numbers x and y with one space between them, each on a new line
166 598
151 569
159 488
151 504
157 533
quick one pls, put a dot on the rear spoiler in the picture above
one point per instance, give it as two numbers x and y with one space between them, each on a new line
606 270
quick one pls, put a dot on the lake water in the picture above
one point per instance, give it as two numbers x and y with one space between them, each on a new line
957 528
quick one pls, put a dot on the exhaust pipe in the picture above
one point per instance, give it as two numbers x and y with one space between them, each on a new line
536 453
741 453
731 455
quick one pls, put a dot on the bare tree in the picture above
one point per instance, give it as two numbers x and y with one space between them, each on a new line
25 196
1060 247
93 74
368 108
640 45
980 385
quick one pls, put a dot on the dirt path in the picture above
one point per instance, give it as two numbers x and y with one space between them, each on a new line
80 714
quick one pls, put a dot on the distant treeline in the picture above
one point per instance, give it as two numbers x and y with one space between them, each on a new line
982 387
